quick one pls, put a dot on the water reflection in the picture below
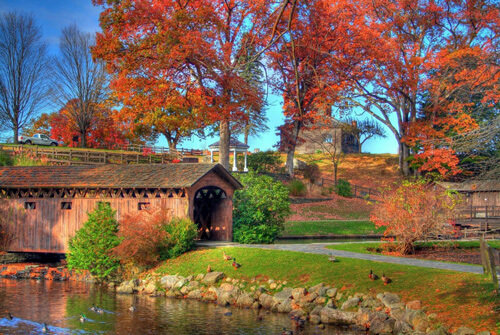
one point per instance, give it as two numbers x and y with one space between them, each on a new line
60 304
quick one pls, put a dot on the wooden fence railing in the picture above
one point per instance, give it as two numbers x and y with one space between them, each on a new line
478 219
74 156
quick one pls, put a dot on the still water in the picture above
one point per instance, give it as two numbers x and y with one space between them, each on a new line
59 305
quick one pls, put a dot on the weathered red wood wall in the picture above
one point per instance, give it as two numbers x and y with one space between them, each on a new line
48 228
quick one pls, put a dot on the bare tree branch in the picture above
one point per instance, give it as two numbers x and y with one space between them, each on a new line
23 71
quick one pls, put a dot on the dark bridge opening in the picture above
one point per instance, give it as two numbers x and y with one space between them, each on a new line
207 201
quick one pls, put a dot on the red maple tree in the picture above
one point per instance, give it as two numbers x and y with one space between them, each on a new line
104 132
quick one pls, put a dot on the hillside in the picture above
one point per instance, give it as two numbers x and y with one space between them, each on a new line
367 170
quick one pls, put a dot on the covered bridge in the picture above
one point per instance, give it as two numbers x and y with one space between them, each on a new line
50 203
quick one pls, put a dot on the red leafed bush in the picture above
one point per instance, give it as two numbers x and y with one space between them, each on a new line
415 211
143 237
177 160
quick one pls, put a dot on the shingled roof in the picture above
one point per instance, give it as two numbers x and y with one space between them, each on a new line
110 176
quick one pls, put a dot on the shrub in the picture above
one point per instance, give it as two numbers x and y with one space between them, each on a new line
150 236
260 209
297 188
415 211
311 172
142 237
91 247
5 159
343 188
264 161
181 235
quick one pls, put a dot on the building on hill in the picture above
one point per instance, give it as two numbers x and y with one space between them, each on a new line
327 134
55 200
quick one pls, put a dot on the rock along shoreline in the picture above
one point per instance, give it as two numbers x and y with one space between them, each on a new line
321 304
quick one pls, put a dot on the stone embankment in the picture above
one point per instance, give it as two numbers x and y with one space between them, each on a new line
40 271
320 304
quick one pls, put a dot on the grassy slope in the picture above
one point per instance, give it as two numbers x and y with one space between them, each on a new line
457 298
330 227
369 170
339 208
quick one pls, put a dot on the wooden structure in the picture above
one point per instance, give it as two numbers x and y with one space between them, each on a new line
480 207
50 203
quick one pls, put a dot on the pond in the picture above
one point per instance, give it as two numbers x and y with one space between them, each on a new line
59 305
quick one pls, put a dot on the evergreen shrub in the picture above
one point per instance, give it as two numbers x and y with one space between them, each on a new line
91 247
343 188
260 209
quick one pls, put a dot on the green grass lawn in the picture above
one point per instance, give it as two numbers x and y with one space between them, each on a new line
343 209
362 247
330 227
457 298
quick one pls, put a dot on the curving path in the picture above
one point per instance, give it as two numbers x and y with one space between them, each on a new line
320 248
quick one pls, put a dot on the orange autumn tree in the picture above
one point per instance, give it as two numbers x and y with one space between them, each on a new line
415 211
465 81
401 48
102 133
180 58
308 73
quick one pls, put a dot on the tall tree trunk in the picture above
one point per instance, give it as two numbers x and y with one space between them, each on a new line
225 135
335 168
404 153
83 135
290 149
16 134
172 141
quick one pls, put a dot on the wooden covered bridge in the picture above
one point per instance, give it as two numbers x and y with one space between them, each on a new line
50 203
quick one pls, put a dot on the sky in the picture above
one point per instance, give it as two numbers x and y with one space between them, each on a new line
53 15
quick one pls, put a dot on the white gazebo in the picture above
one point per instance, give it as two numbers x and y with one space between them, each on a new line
235 146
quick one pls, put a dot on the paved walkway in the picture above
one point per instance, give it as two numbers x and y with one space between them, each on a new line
320 248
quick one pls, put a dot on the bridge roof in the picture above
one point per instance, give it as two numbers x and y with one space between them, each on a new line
111 176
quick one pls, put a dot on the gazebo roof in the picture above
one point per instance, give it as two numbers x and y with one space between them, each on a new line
233 144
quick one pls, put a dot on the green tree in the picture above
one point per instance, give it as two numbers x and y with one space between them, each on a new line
260 209
90 248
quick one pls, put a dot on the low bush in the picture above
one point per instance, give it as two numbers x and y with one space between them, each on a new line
264 161
5 159
181 235
343 188
260 209
297 188
151 236
311 172
415 211
91 247
142 236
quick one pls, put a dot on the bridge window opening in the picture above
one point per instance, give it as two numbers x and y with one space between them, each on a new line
143 206
66 205
30 205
